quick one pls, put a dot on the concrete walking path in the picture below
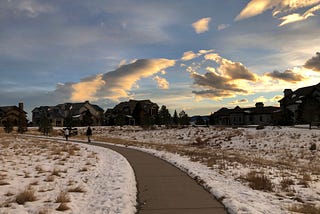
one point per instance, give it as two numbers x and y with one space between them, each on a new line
165 189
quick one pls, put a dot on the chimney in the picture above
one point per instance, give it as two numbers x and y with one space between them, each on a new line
259 105
21 106
287 92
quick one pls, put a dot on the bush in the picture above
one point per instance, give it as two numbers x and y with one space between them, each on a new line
259 181
313 147
26 195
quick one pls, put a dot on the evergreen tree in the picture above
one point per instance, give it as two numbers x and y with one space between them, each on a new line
45 125
138 114
8 126
164 116
175 118
184 118
69 122
87 119
22 124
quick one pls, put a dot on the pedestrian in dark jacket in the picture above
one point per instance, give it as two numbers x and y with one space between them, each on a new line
89 134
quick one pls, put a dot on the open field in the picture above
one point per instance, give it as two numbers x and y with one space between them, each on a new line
274 170
45 176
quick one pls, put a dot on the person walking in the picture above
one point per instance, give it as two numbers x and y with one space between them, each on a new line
89 134
66 133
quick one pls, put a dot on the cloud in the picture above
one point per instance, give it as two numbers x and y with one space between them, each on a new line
256 7
201 25
296 17
276 98
235 102
227 80
29 8
214 94
116 84
215 86
234 70
287 75
212 80
119 82
86 89
189 55
162 82
260 99
223 26
313 63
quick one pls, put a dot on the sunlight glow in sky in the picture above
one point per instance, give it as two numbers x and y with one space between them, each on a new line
193 55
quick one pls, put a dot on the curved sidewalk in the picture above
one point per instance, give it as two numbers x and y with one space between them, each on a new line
165 189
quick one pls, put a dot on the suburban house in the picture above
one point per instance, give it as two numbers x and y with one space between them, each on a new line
258 115
13 114
303 104
81 114
132 112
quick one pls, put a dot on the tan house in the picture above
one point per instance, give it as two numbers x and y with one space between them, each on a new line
13 114
82 114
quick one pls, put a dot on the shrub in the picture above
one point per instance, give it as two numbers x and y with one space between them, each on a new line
63 197
77 189
26 195
313 147
305 208
286 183
63 207
259 181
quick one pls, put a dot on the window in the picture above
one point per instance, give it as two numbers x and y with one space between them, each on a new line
261 118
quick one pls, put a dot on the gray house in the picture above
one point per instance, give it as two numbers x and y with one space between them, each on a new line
258 115
82 114
303 104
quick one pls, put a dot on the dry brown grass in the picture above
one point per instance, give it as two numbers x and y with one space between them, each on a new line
49 178
63 197
305 208
25 196
63 207
3 183
286 184
77 189
259 181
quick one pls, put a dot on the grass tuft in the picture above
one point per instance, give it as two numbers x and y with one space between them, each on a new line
25 196
259 181
77 189
63 197
63 207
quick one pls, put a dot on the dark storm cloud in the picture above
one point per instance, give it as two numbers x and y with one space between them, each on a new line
313 63
288 76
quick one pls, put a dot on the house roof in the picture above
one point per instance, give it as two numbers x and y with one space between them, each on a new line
297 95
8 108
252 110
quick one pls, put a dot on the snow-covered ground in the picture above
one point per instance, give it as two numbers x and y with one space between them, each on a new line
44 176
274 170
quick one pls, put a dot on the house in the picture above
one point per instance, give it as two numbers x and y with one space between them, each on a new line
13 114
303 104
132 112
258 115
81 114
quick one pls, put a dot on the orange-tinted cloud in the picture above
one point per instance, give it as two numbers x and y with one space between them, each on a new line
256 7
86 89
201 25
162 82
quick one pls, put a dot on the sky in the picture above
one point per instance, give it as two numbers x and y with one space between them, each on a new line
196 56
